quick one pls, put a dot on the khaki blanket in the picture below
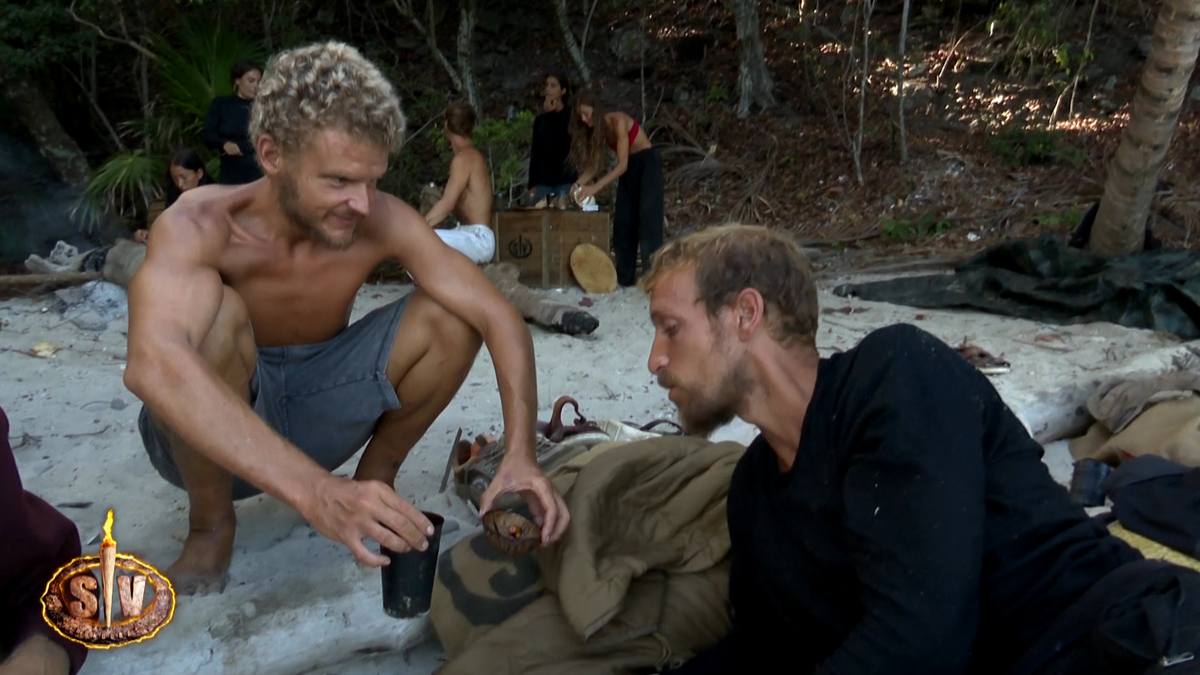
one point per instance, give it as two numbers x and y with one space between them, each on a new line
1144 416
639 581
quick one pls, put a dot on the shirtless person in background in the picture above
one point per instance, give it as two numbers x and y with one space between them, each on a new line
239 345
468 193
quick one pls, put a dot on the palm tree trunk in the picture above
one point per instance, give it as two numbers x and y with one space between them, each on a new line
1133 171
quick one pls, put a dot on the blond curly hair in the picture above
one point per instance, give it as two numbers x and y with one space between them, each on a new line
326 85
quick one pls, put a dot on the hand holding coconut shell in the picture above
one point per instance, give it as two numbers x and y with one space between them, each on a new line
510 533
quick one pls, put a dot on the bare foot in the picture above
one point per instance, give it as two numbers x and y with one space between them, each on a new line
203 565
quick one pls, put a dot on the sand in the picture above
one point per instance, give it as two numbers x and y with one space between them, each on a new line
298 602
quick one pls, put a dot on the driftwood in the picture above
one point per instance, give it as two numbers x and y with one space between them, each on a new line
122 261
59 279
125 256
535 306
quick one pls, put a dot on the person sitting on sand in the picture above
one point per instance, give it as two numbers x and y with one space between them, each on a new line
893 515
239 347
468 192
185 171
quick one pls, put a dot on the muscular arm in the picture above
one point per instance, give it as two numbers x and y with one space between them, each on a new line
458 285
914 501
460 171
173 303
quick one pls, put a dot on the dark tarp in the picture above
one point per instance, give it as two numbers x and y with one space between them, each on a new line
1044 279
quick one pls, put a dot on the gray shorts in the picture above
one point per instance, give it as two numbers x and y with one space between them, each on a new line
326 398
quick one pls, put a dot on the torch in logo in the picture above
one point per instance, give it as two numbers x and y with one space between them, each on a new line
71 607
108 567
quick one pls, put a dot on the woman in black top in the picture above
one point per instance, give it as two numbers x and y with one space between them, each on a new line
185 171
548 169
227 126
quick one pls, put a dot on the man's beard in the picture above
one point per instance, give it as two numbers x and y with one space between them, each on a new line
289 201
702 413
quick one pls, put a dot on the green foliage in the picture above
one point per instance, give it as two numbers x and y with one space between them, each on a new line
1032 36
924 226
195 63
1020 146
717 94
505 146
1069 217
123 185
35 33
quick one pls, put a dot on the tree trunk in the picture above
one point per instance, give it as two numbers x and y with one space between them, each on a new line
754 80
466 35
900 83
1133 171
52 140
568 36
430 34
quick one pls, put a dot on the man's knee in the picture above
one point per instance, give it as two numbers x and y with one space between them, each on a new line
229 345
445 330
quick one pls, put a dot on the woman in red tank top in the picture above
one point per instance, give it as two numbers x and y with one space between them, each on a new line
638 211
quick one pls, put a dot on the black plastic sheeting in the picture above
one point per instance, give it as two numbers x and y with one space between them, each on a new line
1046 280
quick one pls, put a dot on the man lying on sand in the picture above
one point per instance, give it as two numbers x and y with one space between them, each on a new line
893 516
238 338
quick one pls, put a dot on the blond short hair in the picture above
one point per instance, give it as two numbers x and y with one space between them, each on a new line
326 85
731 258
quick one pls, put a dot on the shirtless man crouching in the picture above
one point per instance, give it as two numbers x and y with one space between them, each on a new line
468 193
239 344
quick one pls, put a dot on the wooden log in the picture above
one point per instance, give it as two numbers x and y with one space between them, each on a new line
122 261
535 306
60 279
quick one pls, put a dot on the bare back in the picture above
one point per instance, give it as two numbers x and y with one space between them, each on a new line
474 205
295 293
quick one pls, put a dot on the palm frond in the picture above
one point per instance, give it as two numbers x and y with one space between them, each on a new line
195 61
122 185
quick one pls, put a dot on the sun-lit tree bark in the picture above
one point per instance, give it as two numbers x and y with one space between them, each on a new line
755 86
1133 171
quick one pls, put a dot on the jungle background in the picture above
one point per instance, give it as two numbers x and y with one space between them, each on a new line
785 114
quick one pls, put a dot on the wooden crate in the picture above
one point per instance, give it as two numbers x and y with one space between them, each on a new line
540 242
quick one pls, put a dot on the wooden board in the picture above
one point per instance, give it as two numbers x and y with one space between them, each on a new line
573 228
540 241
519 240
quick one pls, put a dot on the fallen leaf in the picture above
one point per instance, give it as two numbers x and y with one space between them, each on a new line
45 349
920 317
1048 337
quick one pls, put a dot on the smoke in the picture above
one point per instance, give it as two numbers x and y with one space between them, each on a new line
34 204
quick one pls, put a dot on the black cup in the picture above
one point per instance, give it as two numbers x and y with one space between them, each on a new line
408 578
1087 482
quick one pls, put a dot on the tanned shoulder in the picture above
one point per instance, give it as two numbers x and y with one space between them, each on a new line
197 226
392 217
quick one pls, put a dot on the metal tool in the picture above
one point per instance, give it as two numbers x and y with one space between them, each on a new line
450 461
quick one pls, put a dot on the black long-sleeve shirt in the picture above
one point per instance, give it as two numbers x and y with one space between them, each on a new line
918 530
550 148
228 121
38 541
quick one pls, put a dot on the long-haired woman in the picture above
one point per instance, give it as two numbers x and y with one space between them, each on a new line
638 217
548 169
